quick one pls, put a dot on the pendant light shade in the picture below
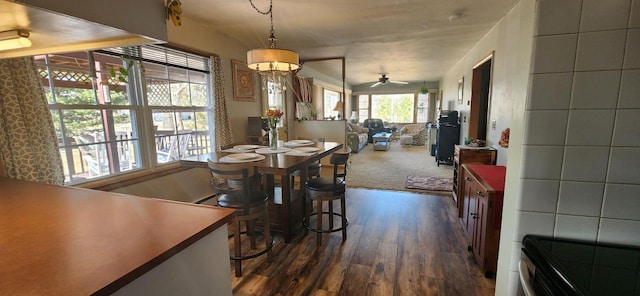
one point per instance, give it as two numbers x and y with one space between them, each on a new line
272 59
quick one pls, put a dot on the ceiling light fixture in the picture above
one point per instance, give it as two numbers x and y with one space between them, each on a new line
14 39
274 64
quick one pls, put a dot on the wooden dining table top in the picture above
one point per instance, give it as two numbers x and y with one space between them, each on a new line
273 163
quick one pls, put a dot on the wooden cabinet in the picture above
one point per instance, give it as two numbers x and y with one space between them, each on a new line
481 208
465 154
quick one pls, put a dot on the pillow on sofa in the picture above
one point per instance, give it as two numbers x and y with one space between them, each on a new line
357 129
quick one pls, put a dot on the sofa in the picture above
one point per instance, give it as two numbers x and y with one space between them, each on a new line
357 137
375 126
417 131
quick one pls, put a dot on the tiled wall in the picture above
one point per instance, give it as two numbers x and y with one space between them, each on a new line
581 153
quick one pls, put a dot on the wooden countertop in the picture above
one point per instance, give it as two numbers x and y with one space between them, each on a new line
58 240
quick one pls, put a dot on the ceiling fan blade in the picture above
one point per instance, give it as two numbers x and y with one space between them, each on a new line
376 84
398 82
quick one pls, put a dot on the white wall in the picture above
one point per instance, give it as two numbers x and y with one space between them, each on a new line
195 35
575 145
186 186
511 42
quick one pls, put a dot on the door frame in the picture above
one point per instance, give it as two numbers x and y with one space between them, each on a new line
479 116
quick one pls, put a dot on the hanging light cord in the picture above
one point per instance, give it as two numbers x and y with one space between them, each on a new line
272 38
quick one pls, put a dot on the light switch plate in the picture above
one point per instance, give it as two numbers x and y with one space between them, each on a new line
493 124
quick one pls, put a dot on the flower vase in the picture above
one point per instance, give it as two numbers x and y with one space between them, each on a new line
273 138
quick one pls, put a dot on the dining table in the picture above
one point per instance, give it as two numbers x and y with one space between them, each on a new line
286 203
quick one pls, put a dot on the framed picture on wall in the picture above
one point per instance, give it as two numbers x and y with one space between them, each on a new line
460 89
243 83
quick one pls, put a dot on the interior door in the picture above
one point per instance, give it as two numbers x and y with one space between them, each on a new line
480 96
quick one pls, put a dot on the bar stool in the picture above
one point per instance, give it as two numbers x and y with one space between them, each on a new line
328 189
250 205
313 169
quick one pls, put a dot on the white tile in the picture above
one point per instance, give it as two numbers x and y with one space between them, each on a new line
598 15
626 232
539 195
580 198
585 163
632 53
542 162
577 227
546 127
624 164
596 90
554 53
536 223
627 129
600 50
590 127
621 201
629 89
557 17
550 91
634 20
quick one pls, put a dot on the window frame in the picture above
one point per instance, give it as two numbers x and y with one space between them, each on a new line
369 109
145 153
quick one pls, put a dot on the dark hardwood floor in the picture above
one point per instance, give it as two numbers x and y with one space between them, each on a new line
398 243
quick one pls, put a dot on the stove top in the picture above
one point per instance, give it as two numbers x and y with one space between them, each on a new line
571 267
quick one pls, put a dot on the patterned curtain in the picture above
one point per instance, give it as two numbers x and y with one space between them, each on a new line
305 90
222 123
28 142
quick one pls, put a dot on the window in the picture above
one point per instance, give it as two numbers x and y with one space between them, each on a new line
422 109
275 99
114 114
363 107
331 98
396 108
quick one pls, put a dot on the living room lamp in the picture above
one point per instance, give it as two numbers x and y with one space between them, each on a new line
338 108
14 39
354 117
272 63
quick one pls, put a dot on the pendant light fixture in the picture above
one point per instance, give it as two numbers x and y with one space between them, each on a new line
272 63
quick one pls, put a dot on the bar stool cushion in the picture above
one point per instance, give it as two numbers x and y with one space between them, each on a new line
234 200
326 184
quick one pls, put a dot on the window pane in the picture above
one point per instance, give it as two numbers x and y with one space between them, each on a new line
331 98
423 108
396 108
363 107
91 97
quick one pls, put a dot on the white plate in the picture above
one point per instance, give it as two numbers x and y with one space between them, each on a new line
301 141
306 149
246 147
243 156
272 151
228 159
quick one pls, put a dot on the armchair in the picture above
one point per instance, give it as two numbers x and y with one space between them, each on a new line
375 126
417 131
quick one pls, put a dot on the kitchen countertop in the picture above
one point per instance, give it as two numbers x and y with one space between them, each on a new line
57 240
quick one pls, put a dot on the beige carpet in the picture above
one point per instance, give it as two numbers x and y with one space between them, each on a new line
388 170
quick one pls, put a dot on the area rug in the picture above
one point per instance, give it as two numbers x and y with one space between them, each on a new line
388 170
429 183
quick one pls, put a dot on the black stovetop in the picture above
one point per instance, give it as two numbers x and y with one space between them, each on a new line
585 268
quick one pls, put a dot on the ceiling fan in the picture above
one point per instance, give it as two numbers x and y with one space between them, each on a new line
384 79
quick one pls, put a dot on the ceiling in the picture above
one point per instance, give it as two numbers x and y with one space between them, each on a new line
409 40
52 32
